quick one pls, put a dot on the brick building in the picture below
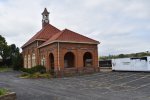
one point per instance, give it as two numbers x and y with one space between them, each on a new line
60 50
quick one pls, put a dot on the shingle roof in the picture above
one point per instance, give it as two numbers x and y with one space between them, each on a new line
44 34
69 36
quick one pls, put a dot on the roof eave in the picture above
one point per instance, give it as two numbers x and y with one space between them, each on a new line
69 42
32 42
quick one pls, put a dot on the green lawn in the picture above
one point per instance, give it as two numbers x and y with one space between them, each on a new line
5 69
3 91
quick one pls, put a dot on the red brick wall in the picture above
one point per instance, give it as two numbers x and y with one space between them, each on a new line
80 50
77 49
30 49
52 48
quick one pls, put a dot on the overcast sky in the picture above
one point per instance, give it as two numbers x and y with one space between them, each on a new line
122 26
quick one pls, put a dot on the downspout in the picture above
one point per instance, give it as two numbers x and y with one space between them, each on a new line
58 58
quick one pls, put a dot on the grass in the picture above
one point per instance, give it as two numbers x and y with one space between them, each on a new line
36 75
5 69
3 91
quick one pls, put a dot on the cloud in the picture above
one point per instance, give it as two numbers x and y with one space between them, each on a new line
122 26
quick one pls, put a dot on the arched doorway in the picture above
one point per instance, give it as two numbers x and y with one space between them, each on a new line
51 57
69 60
87 59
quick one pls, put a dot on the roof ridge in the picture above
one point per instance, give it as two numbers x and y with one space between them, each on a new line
36 36
57 35
53 26
70 35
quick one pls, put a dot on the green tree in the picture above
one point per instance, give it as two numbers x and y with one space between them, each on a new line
10 54
16 57
121 56
4 50
17 62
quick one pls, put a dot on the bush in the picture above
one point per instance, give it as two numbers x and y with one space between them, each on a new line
38 68
3 91
36 75
24 75
46 75
38 71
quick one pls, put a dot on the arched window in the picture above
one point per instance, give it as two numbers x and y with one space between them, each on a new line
25 61
69 60
52 68
87 59
43 60
29 61
33 60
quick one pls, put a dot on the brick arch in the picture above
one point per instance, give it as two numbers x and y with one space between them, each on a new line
69 60
88 59
51 62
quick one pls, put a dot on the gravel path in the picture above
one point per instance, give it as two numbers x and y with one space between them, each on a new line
99 86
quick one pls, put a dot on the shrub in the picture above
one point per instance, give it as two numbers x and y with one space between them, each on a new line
38 71
38 68
36 75
24 69
3 91
46 75
24 75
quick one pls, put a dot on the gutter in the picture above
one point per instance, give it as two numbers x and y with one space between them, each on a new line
68 42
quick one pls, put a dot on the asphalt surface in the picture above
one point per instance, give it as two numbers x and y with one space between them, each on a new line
99 86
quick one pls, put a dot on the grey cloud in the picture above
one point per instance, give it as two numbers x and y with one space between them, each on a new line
115 23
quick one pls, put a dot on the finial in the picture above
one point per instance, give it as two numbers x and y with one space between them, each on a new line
45 12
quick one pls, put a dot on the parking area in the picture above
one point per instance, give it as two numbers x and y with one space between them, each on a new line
99 86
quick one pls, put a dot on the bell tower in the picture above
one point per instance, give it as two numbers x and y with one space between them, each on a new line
45 19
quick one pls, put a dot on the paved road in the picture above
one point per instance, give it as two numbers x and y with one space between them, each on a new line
99 86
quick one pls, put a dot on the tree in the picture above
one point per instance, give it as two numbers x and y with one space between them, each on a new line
16 57
3 48
17 62
10 54
121 56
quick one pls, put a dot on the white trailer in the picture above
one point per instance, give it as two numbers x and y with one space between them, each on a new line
148 64
131 64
